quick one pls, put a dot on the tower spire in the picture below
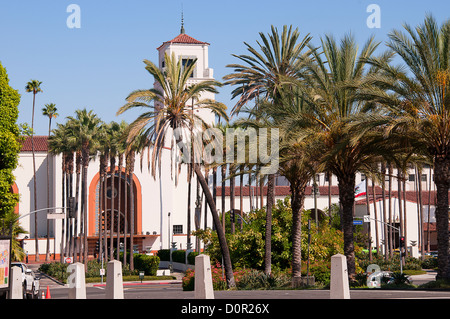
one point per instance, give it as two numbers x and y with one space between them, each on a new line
182 21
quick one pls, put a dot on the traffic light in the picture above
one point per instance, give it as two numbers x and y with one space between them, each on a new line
402 242
97 246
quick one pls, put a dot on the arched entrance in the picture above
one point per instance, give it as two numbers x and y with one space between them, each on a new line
127 203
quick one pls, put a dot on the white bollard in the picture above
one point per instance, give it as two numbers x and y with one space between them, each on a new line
16 283
203 278
76 281
339 288
114 280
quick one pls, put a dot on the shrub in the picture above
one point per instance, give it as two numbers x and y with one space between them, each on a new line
146 263
191 257
179 256
255 279
430 263
55 270
164 254
219 281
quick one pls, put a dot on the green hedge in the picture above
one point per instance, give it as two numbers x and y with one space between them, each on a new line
146 263
178 256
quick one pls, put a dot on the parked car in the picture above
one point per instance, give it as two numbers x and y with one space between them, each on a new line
29 281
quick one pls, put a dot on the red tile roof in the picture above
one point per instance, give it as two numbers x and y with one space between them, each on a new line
40 144
183 39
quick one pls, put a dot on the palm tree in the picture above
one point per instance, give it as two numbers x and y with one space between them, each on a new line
343 121
261 78
299 157
172 112
84 127
50 111
422 107
62 142
114 135
34 86
121 148
102 147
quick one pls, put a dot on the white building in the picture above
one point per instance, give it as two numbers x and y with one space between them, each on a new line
160 206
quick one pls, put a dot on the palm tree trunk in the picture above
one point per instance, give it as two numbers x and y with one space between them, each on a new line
63 200
241 197
221 234
100 211
119 194
112 161
125 222
347 199
442 181
85 154
268 239
47 255
77 194
405 221
232 199
400 210
132 209
189 195
297 202
390 209
224 169
36 237
376 216
383 192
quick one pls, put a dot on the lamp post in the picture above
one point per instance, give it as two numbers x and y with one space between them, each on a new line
315 190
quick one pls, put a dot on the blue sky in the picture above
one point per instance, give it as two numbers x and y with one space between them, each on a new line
97 65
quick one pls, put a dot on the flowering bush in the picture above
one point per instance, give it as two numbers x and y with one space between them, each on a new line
218 278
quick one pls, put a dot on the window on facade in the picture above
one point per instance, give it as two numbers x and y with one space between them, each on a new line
424 177
177 229
186 62
411 177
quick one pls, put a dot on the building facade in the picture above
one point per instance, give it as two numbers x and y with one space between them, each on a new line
156 210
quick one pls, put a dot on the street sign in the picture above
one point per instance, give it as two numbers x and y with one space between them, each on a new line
366 218
357 222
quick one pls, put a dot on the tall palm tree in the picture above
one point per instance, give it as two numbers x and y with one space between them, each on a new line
114 135
421 104
121 148
84 127
62 142
171 111
50 111
102 147
34 86
299 157
343 122
262 75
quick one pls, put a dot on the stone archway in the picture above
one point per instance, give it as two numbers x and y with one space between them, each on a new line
95 206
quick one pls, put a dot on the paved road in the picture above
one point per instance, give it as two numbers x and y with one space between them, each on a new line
172 290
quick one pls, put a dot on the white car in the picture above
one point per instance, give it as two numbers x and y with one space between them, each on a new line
29 281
